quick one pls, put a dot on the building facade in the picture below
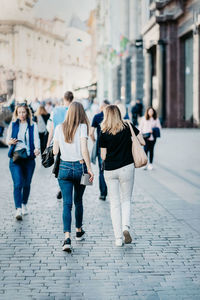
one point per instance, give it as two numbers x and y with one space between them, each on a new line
172 61
78 71
156 56
119 50
40 58
32 52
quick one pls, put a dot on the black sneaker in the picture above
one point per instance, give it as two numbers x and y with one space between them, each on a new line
67 245
79 235
59 195
103 198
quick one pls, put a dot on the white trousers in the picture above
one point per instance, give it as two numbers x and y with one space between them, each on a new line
120 187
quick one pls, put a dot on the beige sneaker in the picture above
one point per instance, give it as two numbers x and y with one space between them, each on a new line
127 237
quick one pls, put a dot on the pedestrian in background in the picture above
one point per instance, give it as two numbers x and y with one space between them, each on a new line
22 134
116 152
42 117
136 111
58 116
150 128
71 139
97 119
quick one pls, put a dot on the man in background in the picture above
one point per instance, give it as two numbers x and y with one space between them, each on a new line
98 118
136 111
57 117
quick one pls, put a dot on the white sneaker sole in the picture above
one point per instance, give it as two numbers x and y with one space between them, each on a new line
67 248
80 238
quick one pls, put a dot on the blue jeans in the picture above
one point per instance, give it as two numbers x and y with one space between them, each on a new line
102 183
69 177
22 175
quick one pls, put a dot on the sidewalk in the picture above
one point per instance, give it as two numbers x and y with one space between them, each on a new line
163 262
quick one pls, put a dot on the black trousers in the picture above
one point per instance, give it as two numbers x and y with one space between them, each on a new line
43 140
149 148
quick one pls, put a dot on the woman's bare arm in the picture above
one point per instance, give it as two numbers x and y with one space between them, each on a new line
103 153
55 147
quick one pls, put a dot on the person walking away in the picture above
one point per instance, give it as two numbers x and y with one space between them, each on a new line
49 107
136 111
147 125
35 105
116 150
58 116
71 139
22 134
42 117
97 119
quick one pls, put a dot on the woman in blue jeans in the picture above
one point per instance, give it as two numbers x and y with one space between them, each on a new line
22 134
71 139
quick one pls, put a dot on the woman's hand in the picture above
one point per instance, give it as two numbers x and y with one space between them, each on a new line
91 175
36 152
12 141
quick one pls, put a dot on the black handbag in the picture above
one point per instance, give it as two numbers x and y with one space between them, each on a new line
48 157
20 156
146 135
55 170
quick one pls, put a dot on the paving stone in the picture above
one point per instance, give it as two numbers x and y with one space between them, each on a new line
163 262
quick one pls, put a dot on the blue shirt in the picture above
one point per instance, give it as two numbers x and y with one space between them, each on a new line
59 115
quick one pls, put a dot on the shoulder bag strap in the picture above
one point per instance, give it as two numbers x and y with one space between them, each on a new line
131 129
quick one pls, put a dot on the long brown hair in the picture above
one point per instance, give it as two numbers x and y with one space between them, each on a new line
41 111
28 112
112 122
75 116
147 113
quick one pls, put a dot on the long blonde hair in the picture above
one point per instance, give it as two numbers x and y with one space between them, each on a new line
75 116
112 122
28 112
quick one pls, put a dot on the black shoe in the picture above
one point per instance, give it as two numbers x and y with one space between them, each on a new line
59 195
79 235
67 245
102 198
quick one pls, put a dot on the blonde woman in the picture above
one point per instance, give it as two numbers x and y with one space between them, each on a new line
115 143
42 117
22 134
71 139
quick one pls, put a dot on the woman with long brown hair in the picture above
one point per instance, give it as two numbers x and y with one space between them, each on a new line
116 152
42 117
22 137
71 139
150 128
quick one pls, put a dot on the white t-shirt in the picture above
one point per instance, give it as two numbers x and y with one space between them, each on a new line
71 152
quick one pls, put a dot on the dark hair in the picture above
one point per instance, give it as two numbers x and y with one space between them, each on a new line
69 96
147 113
106 102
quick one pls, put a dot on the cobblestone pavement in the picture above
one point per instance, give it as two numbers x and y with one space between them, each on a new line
163 262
